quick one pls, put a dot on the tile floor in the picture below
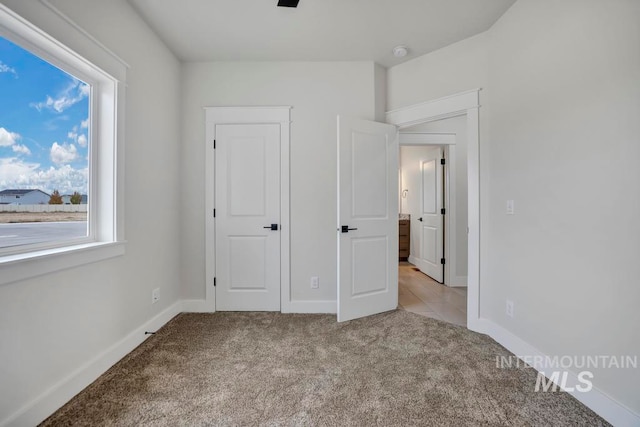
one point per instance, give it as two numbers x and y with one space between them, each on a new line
422 295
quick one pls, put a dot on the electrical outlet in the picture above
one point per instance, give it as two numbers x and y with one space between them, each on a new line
155 295
509 309
511 207
315 282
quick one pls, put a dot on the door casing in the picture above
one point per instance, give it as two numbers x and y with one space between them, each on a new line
280 115
462 104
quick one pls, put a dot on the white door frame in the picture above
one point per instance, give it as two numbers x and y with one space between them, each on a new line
247 115
461 104
448 142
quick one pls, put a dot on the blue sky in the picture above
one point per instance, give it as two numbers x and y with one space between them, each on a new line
43 124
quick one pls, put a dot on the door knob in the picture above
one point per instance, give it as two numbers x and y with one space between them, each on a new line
272 227
346 229
420 219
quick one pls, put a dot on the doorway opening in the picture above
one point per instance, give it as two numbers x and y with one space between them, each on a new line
464 105
432 270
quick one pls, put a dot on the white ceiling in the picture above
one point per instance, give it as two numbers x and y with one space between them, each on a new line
318 30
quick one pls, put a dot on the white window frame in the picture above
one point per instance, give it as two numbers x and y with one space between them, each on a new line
105 205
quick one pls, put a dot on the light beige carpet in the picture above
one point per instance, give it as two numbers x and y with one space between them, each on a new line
397 368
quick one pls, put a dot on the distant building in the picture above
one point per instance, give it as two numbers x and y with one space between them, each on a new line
66 199
24 197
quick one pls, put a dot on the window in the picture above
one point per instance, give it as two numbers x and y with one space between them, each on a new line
59 157
45 143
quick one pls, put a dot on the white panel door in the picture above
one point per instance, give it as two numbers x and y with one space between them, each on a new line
367 218
431 220
247 195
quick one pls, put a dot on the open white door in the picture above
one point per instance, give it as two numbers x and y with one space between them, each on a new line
367 218
431 220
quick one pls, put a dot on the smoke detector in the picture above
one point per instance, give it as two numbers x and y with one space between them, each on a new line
400 51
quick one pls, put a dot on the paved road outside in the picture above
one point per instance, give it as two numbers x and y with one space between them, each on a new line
40 232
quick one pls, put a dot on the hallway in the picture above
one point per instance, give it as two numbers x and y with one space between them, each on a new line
420 294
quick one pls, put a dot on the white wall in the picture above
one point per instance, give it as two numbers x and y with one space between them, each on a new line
52 327
564 79
459 67
561 139
317 91
380 92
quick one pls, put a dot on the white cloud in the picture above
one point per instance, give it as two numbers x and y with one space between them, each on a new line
10 139
64 179
84 124
78 138
70 96
82 140
4 68
65 153
21 149
15 173
7 139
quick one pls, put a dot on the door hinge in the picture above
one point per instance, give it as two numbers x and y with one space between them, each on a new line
443 161
214 281
443 211
214 213
214 144
442 261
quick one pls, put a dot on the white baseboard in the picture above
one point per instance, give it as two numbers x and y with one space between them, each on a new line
454 282
598 401
330 307
49 401
196 306
200 306
458 282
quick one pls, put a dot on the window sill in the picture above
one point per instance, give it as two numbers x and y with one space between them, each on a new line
18 267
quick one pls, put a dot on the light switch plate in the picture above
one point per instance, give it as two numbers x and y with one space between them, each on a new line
511 207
